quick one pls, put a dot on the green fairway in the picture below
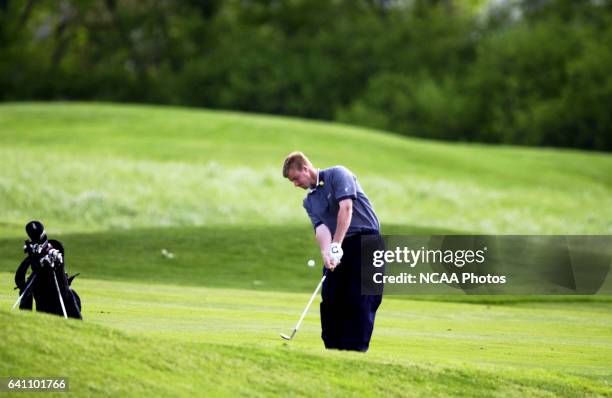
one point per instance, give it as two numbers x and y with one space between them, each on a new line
186 339
117 166
237 257
234 257
120 185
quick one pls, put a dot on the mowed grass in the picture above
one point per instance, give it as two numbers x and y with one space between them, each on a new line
175 340
118 184
100 167
257 257
264 258
150 325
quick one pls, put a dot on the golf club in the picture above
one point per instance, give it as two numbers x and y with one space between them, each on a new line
297 326
60 295
24 291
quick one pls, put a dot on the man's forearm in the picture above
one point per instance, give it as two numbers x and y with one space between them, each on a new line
345 214
323 236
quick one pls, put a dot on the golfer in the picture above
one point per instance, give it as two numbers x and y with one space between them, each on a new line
341 215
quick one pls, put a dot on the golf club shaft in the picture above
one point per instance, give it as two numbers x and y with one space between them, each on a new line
24 292
297 326
60 295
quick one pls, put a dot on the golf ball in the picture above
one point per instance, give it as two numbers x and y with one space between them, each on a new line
311 263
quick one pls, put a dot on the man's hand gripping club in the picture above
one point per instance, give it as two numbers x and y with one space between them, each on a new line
335 253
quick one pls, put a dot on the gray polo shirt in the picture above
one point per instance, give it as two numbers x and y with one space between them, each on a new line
322 203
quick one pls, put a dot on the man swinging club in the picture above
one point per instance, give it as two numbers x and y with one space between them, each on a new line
341 215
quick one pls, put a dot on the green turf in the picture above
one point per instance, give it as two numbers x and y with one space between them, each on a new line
263 258
176 340
118 184
268 258
114 166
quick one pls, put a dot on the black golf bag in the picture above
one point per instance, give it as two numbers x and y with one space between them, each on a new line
47 281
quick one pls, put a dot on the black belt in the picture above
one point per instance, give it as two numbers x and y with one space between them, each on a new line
364 231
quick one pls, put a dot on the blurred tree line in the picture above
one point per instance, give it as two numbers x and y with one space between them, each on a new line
518 72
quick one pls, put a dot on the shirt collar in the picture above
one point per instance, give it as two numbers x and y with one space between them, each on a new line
319 183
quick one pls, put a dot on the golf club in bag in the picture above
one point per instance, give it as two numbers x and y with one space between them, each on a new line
297 326
59 294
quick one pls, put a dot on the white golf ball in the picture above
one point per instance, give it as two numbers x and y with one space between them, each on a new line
311 263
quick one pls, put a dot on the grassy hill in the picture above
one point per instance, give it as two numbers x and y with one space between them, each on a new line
100 167
117 184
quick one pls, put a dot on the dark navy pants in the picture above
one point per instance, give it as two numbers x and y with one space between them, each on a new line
347 316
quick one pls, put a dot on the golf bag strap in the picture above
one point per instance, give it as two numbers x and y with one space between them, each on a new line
20 279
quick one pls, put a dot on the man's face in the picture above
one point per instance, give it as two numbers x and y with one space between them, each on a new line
300 177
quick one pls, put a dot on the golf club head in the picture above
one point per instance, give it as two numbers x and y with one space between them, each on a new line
284 336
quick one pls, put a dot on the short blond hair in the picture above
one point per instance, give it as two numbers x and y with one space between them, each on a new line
295 160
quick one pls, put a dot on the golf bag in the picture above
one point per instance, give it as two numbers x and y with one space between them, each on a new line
47 281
